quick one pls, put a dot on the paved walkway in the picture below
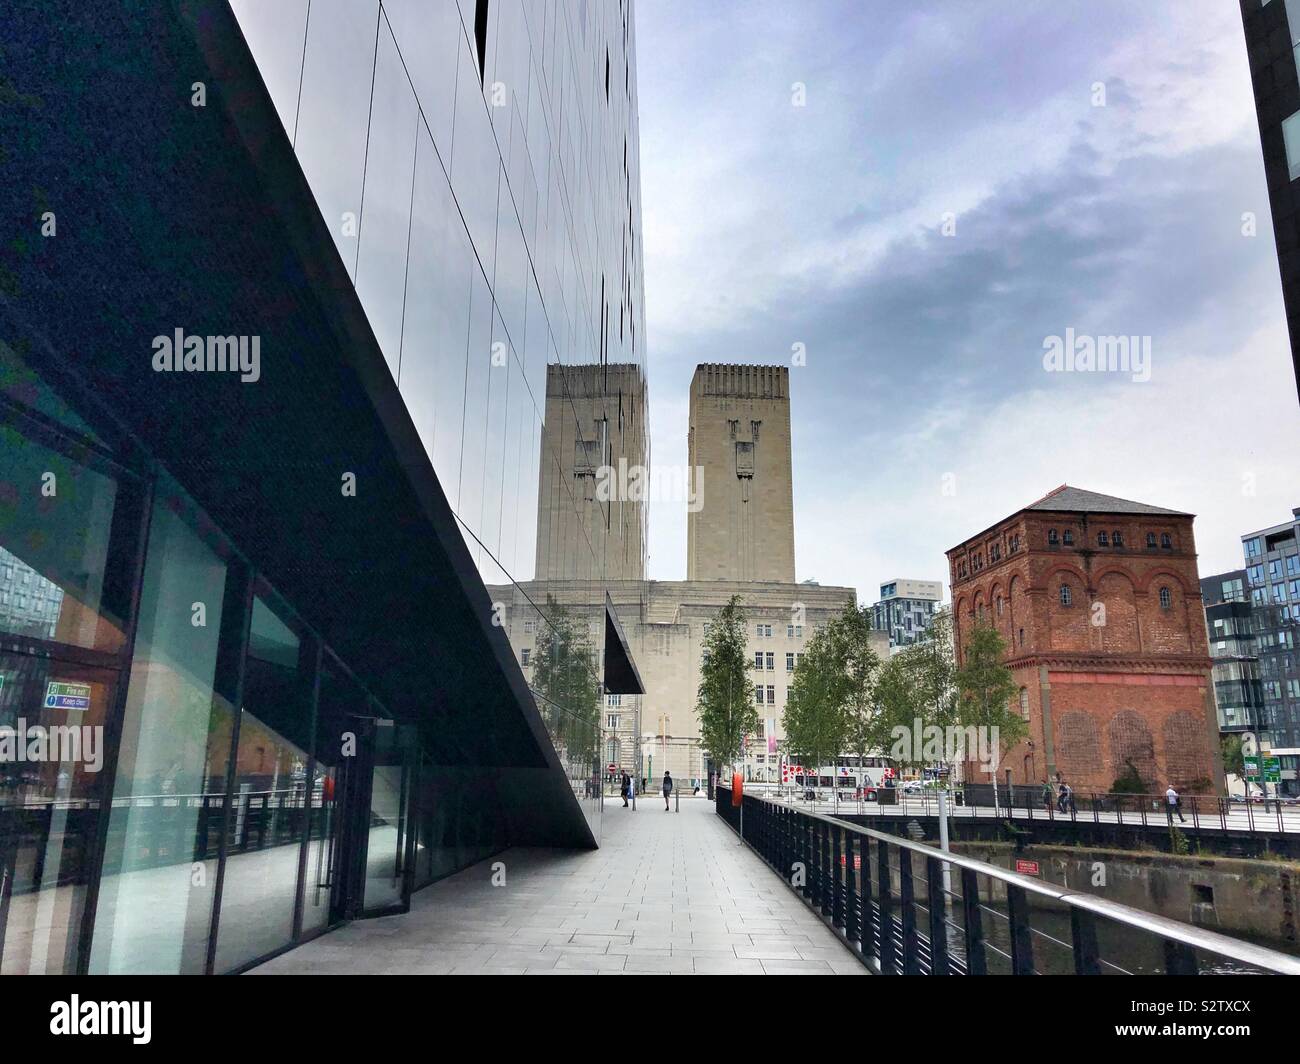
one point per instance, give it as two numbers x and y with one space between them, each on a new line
667 893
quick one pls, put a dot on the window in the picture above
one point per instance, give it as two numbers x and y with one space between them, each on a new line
758 659
1252 548
1024 702
771 695
1166 599
999 605
1103 540
530 627
1052 537
1022 637
1151 541
789 662
763 631
758 695
1066 595
524 655
1116 539
771 660
1067 538
1166 543
611 720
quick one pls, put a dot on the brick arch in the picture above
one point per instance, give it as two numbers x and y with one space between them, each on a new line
1078 750
1003 623
1116 592
1184 735
1116 569
1050 578
1130 740
1162 573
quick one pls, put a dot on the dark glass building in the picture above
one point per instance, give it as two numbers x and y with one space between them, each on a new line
1230 625
280 284
1272 30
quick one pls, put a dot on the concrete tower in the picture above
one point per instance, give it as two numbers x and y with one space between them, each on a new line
739 448
595 427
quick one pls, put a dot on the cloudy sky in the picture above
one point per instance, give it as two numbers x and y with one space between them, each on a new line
1114 211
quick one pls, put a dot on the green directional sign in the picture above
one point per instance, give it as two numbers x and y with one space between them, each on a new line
1250 767
1272 767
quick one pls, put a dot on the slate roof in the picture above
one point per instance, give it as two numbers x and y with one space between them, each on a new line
1077 500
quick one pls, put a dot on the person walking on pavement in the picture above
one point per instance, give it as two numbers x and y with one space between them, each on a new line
627 788
1175 804
1047 796
668 788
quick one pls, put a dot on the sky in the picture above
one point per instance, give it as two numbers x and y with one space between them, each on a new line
957 182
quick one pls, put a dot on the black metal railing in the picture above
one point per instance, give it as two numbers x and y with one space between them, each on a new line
907 908
1195 812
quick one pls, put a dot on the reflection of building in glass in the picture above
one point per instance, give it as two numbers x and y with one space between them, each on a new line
272 591
744 521
905 610
29 604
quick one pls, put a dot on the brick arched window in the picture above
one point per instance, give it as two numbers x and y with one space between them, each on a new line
1166 598
1066 595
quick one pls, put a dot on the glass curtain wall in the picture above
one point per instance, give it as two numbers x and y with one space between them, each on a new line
484 197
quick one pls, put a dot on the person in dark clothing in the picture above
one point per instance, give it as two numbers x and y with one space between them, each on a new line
668 788
626 789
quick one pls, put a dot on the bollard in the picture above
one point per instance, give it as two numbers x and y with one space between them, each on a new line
677 801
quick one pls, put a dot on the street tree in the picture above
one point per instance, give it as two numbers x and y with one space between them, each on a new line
725 702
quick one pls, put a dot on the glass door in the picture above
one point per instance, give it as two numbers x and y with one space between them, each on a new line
375 864
52 717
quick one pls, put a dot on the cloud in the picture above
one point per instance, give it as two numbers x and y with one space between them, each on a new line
767 224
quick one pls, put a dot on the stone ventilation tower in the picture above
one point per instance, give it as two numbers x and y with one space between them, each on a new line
742 524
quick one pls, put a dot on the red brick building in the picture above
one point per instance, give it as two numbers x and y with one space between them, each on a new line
1099 602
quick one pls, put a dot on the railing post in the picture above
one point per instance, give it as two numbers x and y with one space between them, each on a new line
1083 931
907 911
934 870
852 915
837 900
807 826
868 918
974 928
1022 946
1179 959
828 872
885 900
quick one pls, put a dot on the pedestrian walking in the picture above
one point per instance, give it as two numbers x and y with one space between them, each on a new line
627 788
1047 796
668 788
1061 794
1175 804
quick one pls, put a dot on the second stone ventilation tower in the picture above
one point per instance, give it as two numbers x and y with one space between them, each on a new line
740 525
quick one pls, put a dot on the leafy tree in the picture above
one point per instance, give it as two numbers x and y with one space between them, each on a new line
564 679
815 718
1234 759
986 689
725 700
850 634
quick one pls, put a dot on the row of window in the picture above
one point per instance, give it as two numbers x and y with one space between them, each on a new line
767 660
1067 597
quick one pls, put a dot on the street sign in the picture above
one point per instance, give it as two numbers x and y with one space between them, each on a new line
61 694
1272 769
1250 767
857 860
1027 868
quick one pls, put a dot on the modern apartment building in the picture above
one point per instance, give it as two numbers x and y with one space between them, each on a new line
1230 625
905 609
280 285
1272 560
